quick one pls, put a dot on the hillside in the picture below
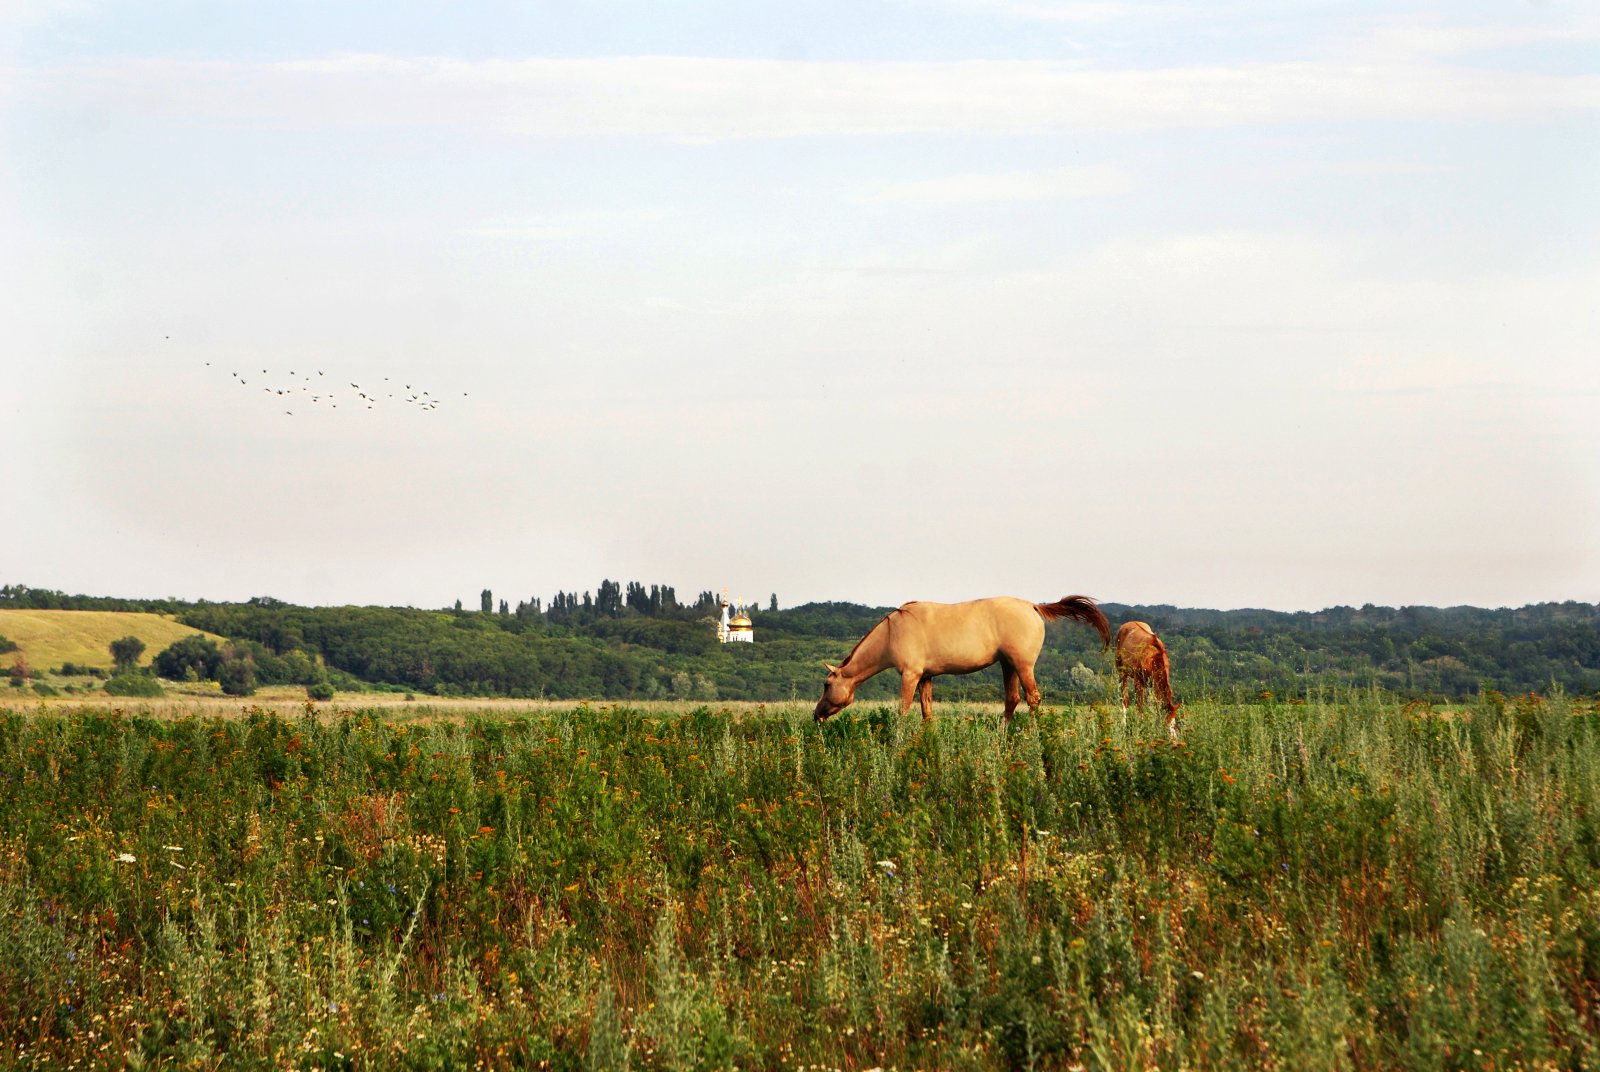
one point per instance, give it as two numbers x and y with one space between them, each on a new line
639 643
49 638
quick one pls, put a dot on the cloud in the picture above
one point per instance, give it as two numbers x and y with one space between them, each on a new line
36 12
697 99
1409 40
567 225
1037 185
1065 11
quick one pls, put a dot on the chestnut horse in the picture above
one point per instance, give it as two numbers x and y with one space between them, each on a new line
922 640
1142 664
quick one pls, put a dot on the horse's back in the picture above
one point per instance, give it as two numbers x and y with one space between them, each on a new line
957 637
1137 645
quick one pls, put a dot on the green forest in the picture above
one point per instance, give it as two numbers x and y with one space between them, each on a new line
629 641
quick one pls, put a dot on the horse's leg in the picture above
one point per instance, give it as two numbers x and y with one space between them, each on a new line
1030 687
925 694
1123 682
1013 690
909 681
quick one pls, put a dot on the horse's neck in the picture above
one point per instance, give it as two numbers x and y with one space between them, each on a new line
871 656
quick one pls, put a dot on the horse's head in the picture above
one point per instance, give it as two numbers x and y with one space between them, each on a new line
838 692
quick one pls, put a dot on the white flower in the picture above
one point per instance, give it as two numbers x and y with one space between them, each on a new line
127 858
887 865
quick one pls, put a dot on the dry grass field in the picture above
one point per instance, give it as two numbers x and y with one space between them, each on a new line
49 638
203 700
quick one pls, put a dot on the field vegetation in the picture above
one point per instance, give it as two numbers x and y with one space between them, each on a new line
1349 882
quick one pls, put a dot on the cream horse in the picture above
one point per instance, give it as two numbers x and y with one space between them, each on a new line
923 640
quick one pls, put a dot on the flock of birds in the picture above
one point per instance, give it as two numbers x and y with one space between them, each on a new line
315 388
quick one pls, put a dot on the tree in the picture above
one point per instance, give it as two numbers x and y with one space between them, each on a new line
609 601
237 675
196 652
125 652
773 606
488 601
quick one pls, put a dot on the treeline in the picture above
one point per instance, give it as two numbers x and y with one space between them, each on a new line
640 642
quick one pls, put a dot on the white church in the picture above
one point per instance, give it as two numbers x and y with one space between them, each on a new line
737 629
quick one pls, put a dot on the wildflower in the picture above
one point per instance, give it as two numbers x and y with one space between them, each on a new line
127 858
887 865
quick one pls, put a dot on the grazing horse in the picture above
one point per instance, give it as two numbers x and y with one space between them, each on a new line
922 640
1142 664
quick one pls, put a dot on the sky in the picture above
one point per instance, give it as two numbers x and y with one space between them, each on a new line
1232 304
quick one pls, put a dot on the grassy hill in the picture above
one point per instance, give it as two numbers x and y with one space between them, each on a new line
49 638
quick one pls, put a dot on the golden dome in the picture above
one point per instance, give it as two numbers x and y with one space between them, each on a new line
741 622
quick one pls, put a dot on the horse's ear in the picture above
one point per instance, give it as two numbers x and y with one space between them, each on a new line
831 668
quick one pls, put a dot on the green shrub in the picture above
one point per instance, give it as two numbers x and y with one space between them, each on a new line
322 690
134 685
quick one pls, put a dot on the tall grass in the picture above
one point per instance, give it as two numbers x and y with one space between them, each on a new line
1340 884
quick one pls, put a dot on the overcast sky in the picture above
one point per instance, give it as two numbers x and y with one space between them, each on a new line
1226 304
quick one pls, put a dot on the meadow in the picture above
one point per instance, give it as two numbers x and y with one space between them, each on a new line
1341 883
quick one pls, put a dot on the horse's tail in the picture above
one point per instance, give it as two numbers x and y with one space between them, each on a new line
1079 609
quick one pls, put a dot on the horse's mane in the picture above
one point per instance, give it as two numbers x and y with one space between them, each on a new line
1161 670
864 637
